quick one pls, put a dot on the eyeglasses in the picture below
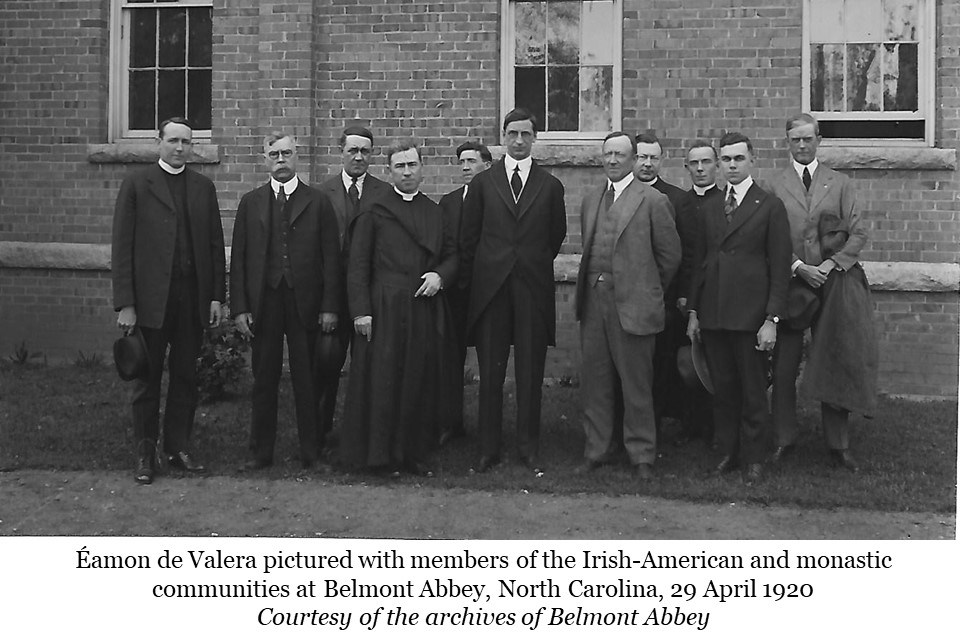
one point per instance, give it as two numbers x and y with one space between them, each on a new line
365 151
273 154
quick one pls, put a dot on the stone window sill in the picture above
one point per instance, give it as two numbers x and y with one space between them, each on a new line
204 153
922 158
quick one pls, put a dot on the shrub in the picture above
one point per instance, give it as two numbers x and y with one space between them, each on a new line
221 362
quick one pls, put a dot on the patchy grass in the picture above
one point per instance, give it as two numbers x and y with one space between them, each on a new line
79 418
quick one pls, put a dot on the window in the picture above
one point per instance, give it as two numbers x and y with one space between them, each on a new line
161 65
562 61
868 69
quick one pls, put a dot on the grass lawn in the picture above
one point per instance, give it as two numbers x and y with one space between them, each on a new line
78 417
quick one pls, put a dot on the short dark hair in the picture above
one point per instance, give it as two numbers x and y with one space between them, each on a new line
650 138
274 136
176 120
618 134
520 113
699 144
402 145
803 119
734 137
475 145
355 130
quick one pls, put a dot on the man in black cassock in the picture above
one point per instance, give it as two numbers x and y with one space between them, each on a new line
401 255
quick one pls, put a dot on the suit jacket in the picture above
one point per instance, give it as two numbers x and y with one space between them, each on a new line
646 255
500 237
684 216
830 193
144 237
313 245
452 206
741 270
693 229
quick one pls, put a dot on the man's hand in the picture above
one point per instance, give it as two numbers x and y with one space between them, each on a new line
766 336
127 319
682 305
812 275
216 313
328 322
826 267
693 328
363 325
431 284
245 324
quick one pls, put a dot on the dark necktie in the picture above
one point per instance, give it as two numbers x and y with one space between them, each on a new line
516 183
730 204
608 199
281 198
807 180
354 194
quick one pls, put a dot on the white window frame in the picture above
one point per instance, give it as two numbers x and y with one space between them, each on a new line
926 85
508 57
118 93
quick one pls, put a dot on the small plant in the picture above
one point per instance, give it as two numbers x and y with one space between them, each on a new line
88 361
221 362
21 355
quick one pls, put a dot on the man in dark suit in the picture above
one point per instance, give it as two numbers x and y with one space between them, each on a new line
668 397
737 296
169 281
474 158
514 223
349 190
631 251
810 191
285 280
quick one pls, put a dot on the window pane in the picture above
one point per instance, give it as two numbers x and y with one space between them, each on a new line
596 98
531 28
826 21
170 94
901 18
826 78
596 38
864 91
864 21
900 77
563 33
143 38
530 91
198 98
140 103
872 129
201 30
173 26
563 101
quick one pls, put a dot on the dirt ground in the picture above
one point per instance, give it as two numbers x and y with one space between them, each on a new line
39 502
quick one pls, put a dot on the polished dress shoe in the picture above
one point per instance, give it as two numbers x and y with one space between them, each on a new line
781 453
753 474
255 464
185 462
844 459
485 463
727 464
587 467
642 471
144 473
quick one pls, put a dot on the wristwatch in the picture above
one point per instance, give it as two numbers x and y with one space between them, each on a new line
774 319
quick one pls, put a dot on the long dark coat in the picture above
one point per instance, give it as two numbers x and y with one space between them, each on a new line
395 387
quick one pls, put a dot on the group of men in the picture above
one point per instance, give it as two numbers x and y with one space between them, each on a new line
405 285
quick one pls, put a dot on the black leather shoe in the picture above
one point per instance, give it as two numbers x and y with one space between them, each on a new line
727 464
144 473
587 467
642 471
781 453
485 463
754 472
185 462
255 464
844 459
419 469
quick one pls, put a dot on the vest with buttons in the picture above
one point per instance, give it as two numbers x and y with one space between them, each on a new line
278 254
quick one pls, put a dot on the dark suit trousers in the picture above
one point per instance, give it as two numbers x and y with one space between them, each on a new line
786 367
279 317
328 387
511 317
611 358
182 331
740 412
453 407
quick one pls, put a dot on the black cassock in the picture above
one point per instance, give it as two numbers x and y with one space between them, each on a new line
399 378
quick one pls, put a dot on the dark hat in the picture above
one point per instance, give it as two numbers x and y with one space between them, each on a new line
692 364
329 355
130 356
802 305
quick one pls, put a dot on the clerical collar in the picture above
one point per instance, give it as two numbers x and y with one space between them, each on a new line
405 196
288 187
812 167
524 164
621 184
652 182
701 191
170 169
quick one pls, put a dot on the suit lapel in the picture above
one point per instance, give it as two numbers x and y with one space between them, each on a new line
820 185
159 188
499 176
748 207
794 186
338 198
264 203
625 207
592 215
297 203
535 182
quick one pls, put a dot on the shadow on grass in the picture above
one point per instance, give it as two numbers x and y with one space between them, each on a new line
73 418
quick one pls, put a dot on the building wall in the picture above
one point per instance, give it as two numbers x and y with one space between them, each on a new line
431 70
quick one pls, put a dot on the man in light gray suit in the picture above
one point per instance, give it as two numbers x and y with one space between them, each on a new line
631 251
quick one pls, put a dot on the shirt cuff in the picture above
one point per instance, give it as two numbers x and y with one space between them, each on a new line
796 263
